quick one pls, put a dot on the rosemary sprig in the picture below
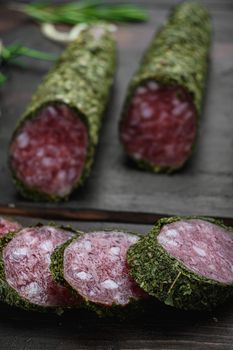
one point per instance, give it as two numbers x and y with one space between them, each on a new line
3 79
10 54
84 12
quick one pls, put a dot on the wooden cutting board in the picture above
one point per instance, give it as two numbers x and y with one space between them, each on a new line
203 187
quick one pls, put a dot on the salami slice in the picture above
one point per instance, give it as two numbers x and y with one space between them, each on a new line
8 225
53 146
94 265
25 269
185 262
159 121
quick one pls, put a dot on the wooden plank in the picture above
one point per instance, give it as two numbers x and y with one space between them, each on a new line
91 215
203 187
86 214
159 327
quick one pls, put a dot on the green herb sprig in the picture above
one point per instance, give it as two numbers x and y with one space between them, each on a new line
3 79
10 54
84 12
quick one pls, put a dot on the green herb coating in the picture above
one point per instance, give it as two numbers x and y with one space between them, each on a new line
81 79
9 295
164 277
57 271
57 263
178 55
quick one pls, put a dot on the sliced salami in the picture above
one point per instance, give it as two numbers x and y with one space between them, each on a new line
159 120
186 263
94 265
49 151
8 225
203 247
26 261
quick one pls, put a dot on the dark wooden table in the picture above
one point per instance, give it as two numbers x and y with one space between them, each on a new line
117 193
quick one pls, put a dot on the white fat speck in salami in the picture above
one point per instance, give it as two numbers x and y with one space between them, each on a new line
159 125
115 250
203 247
83 275
26 264
90 269
19 253
23 140
109 284
7 226
49 151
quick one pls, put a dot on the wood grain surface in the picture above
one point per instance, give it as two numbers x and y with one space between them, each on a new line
117 192
203 187
159 327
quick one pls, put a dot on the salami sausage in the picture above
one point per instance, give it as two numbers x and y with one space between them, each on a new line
159 121
8 225
52 148
94 265
185 262
25 269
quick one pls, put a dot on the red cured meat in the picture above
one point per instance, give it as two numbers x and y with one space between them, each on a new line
95 266
26 262
159 126
49 151
7 226
203 247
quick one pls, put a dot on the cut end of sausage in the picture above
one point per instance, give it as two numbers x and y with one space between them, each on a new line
159 125
95 266
48 152
202 247
26 264
7 226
